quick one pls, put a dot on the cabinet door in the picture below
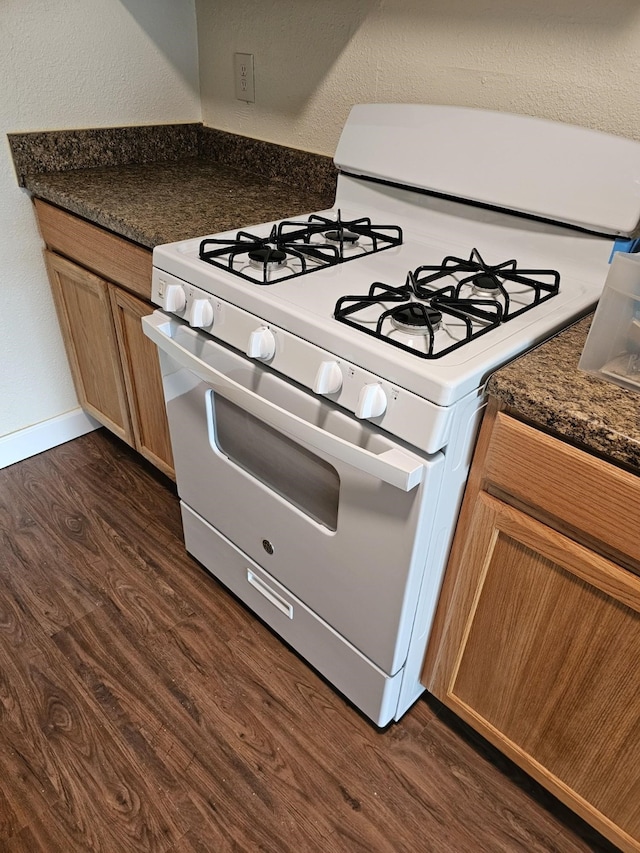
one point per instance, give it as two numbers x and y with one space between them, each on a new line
544 662
86 320
143 380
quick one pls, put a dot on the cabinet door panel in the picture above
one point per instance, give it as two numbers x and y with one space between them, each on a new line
547 664
86 321
143 380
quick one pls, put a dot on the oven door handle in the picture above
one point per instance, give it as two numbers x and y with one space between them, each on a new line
395 466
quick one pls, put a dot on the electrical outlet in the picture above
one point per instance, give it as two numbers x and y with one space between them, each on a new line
243 76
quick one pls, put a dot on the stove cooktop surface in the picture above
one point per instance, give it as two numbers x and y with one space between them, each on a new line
497 284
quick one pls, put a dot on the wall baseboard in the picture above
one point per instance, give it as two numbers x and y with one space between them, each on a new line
43 436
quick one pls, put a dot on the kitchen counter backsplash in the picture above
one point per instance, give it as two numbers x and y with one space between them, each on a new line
156 184
299 169
545 387
62 150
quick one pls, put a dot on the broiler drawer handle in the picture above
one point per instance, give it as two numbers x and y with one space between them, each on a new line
395 466
277 600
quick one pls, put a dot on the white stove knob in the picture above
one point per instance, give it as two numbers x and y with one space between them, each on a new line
262 344
174 298
200 313
328 378
372 401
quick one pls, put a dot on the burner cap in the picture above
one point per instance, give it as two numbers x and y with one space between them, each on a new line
268 256
342 234
486 282
417 319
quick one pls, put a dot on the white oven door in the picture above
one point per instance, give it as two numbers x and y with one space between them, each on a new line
332 507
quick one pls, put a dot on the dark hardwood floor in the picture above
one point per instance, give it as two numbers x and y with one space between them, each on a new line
142 708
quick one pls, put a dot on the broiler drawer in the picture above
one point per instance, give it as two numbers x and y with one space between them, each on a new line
348 670
585 496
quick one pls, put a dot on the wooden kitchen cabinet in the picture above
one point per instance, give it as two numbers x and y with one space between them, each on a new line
143 381
101 285
536 642
84 312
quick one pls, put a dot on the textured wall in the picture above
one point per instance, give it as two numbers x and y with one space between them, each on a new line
571 60
69 64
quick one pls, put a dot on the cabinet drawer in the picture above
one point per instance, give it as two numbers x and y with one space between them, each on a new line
592 499
97 249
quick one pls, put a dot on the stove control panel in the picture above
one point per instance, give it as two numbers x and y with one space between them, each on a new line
366 395
182 299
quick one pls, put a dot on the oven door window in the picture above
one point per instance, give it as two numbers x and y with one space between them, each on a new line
302 478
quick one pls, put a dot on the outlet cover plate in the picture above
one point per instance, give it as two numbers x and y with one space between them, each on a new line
243 76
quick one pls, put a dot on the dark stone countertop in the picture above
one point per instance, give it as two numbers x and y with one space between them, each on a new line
160 183
546 388
161 202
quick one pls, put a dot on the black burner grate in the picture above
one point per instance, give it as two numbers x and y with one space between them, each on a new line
479 298
294 248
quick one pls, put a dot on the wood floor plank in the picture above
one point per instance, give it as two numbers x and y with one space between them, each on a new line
116 476
23 798
112 566
25 842
142 707
188 717
103 797
16 632
46 585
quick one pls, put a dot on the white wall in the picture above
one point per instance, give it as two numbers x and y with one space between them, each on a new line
72 64
570 60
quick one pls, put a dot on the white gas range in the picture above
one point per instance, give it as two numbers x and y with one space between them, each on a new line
324 375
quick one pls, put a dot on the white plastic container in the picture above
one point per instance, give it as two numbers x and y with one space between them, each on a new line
612 349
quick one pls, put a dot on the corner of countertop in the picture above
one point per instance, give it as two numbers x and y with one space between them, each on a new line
302 169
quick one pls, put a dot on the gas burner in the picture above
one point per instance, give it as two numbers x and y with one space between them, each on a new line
473 298
353 238
342 235
515 290
274 258
485 282
266 255
416 318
